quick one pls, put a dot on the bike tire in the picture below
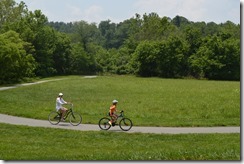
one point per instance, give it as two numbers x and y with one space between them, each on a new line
103 123
54 118
75 119
125 124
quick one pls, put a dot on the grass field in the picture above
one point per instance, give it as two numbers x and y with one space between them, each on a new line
29 143
147 101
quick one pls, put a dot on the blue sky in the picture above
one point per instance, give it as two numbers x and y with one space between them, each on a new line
218 11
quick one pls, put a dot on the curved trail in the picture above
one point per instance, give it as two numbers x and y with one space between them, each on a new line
89 127
135 129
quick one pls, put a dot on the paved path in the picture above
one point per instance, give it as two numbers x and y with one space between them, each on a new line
26 84
135 129
38 82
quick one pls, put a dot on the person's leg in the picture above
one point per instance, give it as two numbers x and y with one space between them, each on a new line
63 111
112 119
115 116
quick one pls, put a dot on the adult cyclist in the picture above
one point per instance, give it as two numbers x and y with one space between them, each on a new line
59 105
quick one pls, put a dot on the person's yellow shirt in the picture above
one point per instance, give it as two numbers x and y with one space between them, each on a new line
112 109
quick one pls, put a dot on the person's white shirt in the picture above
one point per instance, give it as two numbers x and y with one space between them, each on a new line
59 102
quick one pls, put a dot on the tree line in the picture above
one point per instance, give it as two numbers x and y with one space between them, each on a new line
144 45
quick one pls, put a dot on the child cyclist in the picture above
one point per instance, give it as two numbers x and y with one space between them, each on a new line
112 112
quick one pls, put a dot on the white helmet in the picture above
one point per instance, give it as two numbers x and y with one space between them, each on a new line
115 101
60 94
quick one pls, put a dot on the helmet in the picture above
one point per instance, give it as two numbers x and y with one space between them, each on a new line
60 94
115 101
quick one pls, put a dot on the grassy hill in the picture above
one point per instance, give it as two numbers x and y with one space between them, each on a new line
147 101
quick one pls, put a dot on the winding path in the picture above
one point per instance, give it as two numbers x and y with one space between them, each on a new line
135 129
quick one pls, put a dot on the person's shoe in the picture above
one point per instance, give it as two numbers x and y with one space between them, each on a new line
62 120
110 123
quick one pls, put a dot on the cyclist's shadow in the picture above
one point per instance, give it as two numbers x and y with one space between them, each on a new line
64 124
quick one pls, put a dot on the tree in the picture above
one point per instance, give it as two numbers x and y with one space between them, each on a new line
10 12
79 60
180 21
172 57
44 44
86 33
15 63
108 31
145 59
217 58
62 53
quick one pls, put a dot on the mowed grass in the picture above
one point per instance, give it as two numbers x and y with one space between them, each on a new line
29 143
146 101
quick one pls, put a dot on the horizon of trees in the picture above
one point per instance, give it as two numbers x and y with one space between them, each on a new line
147 46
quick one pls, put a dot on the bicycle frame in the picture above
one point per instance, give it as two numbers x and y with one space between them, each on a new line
119 116
67 113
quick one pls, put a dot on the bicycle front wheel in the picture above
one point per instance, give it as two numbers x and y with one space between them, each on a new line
125 124
54 118
103 123
75 118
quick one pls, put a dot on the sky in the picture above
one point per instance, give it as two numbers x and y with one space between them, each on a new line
95 11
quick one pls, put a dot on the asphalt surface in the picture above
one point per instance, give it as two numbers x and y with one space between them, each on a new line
89 127
135 129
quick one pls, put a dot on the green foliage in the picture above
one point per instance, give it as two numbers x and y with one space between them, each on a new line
164 59
10 11
145 58
218 58
45 46
79 60
186 47
14 60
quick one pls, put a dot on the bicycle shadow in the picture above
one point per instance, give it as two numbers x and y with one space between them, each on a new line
64 124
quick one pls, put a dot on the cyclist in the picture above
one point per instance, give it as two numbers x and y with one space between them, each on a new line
59 102
112 112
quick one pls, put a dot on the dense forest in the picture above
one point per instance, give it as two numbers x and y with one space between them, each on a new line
145 45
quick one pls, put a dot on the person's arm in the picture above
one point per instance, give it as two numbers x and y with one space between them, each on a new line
61 101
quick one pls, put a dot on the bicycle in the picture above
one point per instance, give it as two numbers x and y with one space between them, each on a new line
74 118
124 123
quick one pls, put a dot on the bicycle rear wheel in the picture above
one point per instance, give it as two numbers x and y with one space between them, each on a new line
54 118
103 123
125 124
75 118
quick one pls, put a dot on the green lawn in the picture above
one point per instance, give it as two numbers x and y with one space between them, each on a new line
147 101
29 143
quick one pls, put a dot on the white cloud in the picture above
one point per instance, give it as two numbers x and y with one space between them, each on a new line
194 10
191 9
90 14
93 13
162 6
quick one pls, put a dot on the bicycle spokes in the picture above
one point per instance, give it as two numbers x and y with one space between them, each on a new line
125 124
57 117
104 123
54 118
75 118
